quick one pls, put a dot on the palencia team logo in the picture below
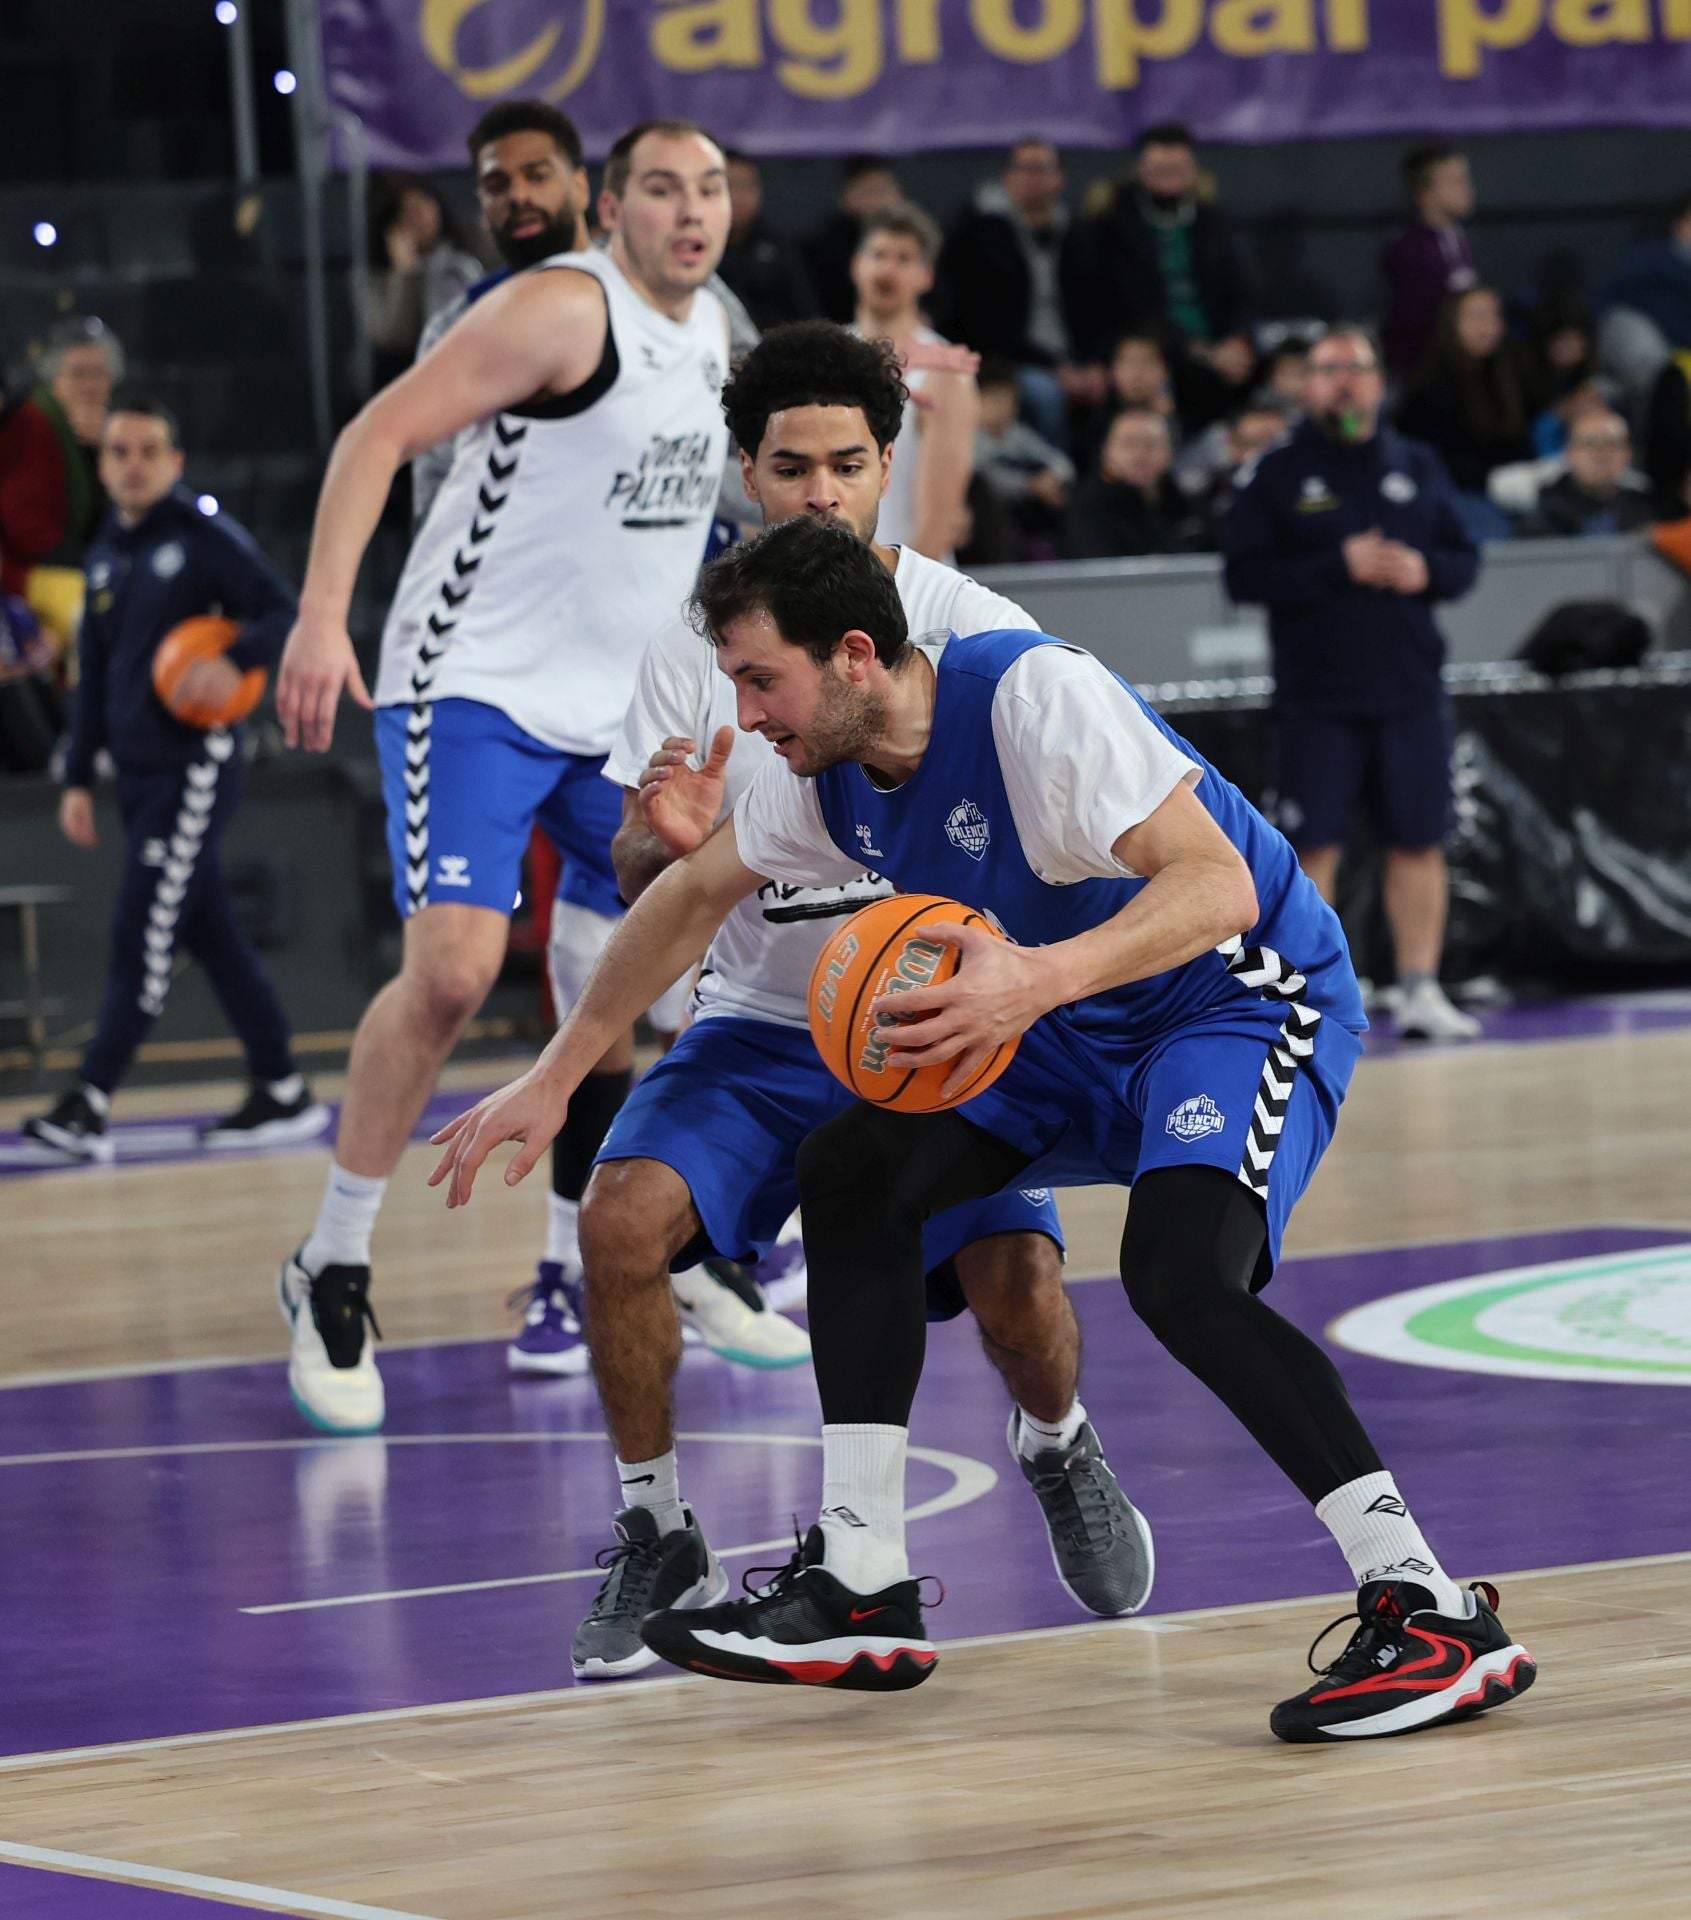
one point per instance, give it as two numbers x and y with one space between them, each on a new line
966 827
1194 1118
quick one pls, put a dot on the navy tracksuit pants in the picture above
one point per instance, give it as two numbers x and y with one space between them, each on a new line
173 899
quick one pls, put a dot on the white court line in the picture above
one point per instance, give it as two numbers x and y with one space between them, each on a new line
131 1871
584 1698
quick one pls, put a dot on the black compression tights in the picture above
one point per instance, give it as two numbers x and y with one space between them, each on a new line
1193 1238
868 1180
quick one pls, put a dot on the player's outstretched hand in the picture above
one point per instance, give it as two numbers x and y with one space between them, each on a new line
529 1110
939 356
998 991
316 663
679 802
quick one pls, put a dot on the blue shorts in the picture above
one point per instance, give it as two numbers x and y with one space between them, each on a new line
1396 768
463 798
1096 1109
729 1106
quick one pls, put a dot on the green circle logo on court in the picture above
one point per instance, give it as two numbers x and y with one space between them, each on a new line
1622 1317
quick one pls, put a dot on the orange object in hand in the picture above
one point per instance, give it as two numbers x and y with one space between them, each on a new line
204 637
877 951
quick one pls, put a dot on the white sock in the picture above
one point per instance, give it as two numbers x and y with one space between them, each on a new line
863 1506
563 1231
286 1092
1040 1436
97 1098
1378 1536
345 1221
656 1486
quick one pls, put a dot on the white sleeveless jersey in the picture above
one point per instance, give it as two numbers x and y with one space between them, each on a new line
568 530
759 964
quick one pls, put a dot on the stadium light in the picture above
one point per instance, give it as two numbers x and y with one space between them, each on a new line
46 234
207 504
227 13
284 81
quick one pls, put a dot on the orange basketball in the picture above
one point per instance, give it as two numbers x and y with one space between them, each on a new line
876 951
204 637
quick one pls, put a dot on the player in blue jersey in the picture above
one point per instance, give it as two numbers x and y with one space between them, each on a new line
1189 1021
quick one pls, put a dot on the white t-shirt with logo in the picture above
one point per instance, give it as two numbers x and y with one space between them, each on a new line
759 964
1069 802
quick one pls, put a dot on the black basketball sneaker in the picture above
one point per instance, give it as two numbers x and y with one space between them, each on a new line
803 1629
1407 1667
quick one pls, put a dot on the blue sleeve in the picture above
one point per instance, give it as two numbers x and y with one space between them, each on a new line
250 590
1453 561
1257 566
88 713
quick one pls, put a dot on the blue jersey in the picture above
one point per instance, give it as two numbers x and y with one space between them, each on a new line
949 830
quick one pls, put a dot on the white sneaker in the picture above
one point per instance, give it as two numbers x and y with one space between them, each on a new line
332 1370
1424 1013
723 1317
783 1276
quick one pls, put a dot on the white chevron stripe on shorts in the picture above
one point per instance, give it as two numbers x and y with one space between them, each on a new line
193 815
1275 979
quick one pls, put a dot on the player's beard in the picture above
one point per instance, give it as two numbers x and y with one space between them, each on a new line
557 235
847 723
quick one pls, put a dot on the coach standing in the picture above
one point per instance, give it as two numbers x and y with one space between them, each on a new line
157 560
1349 535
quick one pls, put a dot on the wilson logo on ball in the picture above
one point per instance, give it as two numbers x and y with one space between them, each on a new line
883 949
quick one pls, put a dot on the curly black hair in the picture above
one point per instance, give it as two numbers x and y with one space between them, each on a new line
814 363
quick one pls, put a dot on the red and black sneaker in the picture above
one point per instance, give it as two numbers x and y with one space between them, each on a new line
1407 1667
803 1629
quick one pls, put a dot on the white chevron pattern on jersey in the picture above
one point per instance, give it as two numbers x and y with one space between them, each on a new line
193 816
1274 978
455 589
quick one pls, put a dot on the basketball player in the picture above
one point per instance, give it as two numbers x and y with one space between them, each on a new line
1188 1022
893 272
584 397
155 561
701 1157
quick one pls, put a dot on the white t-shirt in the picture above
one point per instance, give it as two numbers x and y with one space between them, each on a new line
1071 795
759 964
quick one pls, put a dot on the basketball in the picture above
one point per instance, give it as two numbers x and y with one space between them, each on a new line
879 950
204 637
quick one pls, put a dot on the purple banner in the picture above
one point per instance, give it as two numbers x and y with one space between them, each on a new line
834 76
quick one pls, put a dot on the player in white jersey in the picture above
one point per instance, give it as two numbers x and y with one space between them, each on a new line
893 272
701 1159
583 398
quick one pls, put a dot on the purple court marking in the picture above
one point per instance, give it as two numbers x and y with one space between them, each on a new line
33 1893
124 1579
157 1142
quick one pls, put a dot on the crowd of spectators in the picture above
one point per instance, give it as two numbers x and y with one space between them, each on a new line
1127 376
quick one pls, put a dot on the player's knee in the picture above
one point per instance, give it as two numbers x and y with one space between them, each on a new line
1193 1239
627 1235
849 1165
449 990
1013 1283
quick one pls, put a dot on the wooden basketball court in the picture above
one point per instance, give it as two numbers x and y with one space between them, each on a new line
250 1668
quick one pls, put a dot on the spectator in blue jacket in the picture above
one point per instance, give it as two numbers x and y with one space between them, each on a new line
155 561
1350 535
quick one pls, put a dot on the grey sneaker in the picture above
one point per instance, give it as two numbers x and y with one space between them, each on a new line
645 1572
1100 1542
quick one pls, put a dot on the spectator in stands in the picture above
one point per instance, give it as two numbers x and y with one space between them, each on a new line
1667 438
1561 371
1000 272
867 185
1470 403
1129 505
934 454
1431 259
1160 257
419 263
1645 307
1285 379
1349 534
1598 493
1030 475
764 270
1257 428
984 535
50 494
